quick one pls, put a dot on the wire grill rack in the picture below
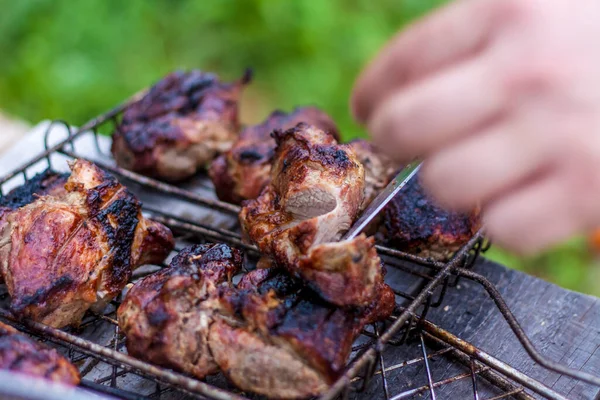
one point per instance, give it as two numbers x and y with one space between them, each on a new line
97 346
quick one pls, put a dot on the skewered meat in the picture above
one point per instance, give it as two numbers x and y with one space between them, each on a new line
20 354
184 121
414 223
67 252
242 172
379 168
270 334
316 190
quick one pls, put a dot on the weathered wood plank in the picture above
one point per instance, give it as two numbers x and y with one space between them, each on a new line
563 325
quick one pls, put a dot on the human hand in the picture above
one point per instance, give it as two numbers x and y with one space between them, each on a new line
502 100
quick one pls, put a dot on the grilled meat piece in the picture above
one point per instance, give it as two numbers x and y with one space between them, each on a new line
316 190
43 184
292 344
19 353
184 121
166 317
243 171
270 334
415 224
379 168
67 252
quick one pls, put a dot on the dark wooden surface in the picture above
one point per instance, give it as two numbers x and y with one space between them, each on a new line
563 325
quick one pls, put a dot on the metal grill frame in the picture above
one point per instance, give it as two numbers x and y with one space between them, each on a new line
408 322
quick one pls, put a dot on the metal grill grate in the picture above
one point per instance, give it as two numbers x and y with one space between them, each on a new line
97 347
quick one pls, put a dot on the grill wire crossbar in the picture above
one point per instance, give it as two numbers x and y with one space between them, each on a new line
407 326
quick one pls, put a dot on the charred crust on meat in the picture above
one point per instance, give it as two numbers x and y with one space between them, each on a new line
414 223
21 354
332 156
159 316
40 185
260 327
120 220
251 155
41 295
75 247
211 261
182 123
326 152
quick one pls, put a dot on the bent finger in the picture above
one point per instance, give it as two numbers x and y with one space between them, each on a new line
533 218
450 34
478 169
425 117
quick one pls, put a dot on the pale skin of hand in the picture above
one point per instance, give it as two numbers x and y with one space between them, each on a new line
501 98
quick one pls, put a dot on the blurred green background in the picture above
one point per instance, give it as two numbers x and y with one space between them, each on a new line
75 59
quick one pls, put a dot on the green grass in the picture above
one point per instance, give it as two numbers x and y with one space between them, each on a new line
571 265
75 59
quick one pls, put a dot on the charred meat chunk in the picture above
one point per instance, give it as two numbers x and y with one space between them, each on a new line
243 171
75 249
270 335
166 317
179 126
290 343
316 192
415 224
20 354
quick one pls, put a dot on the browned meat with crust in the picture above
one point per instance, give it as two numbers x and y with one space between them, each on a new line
166 316
415 224
242 172
379 168
269 335
20 354
185 120
292 344
316 190
43 184
67 252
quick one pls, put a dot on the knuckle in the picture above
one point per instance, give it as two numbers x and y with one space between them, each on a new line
538 76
